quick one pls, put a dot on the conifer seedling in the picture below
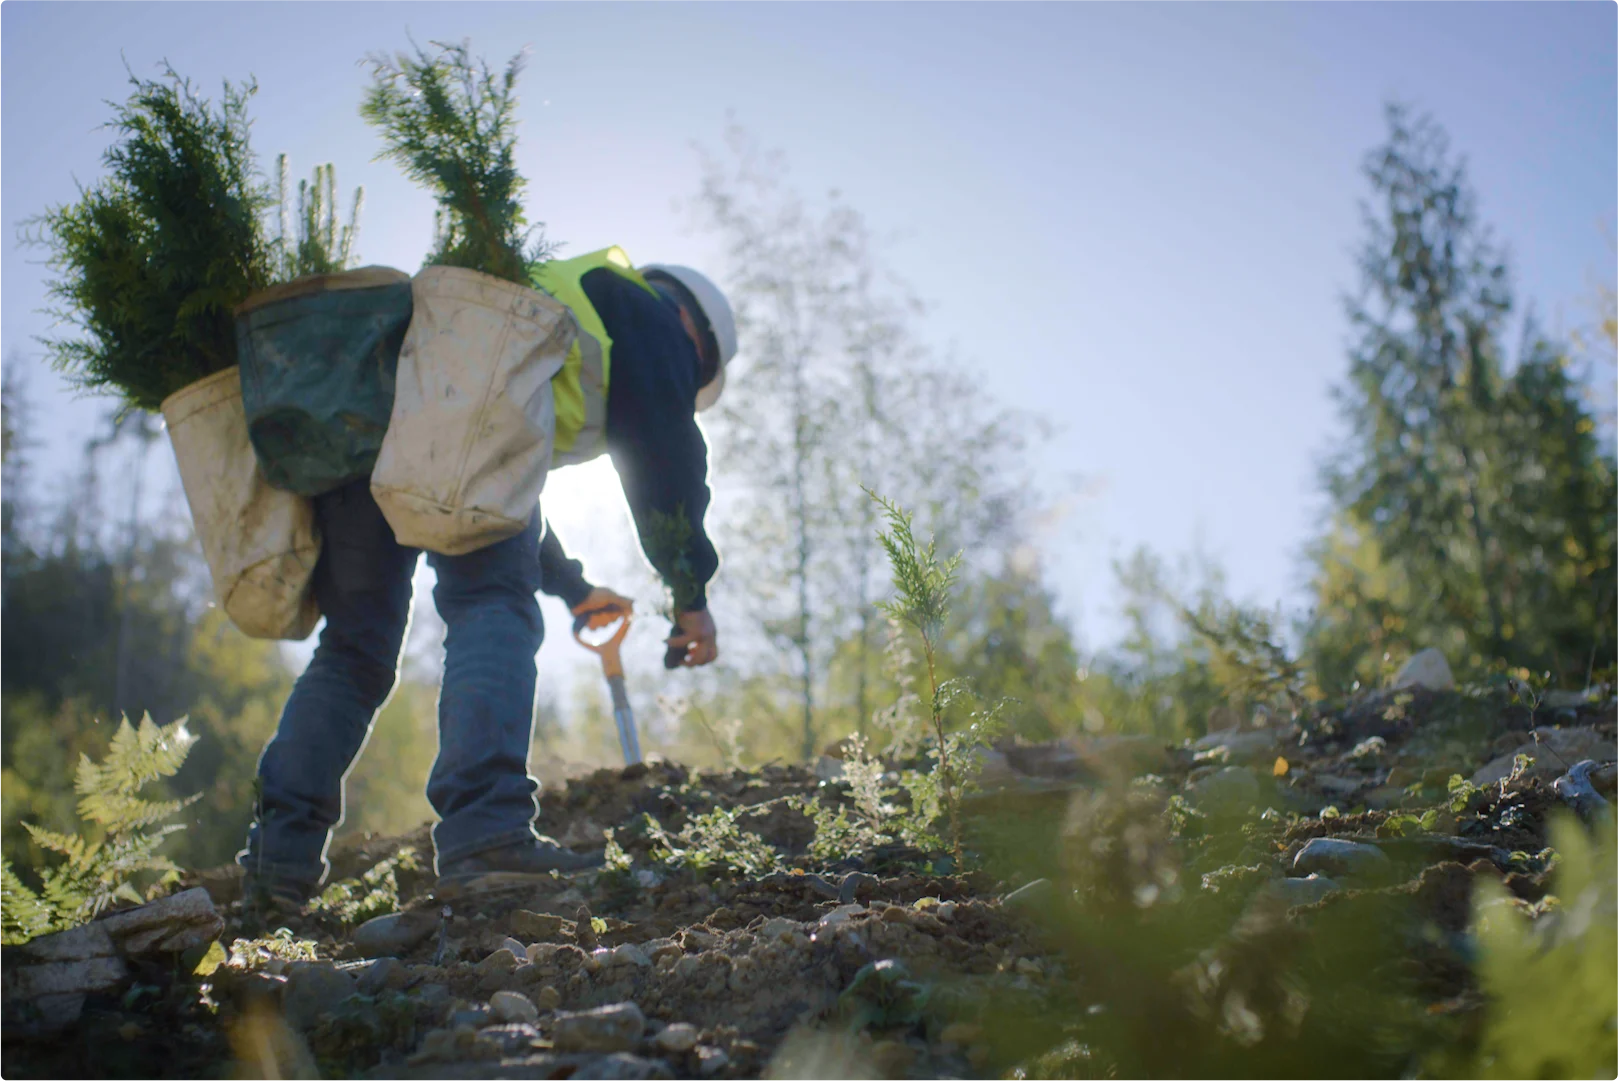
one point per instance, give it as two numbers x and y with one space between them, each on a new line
151 260
450 123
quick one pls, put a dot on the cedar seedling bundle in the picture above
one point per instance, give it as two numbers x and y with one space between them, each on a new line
449 123
151 259
316 245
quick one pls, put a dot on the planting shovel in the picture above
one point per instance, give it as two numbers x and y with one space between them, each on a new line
612 666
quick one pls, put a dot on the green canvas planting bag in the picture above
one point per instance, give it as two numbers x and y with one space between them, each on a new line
319 357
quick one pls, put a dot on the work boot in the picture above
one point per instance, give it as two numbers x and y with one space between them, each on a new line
268 902
513 865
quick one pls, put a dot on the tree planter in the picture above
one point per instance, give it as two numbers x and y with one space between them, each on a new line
318 359
260 542
473 424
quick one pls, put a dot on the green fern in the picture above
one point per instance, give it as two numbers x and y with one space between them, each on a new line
92 875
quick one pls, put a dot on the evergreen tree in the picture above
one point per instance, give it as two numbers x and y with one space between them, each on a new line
1481 481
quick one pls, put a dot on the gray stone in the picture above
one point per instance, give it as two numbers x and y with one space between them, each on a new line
1428 670
1036 894
1303 891
500 962
170 925
1555 751
1329 855
677 1038
841 914
314 989
1577 791
375 977
629 954
1239 747
389 936
536 926
64 978
828 768
779 927
78 944
1233 788
854 883
513 1007
622 1067
710 1060
607 1028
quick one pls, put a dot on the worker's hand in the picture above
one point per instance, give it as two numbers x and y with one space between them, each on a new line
604 607
695 642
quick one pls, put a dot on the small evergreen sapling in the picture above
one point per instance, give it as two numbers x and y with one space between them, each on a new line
97 873
450 124
922 584
151 260
317 244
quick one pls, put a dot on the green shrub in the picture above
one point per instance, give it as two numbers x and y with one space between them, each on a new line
1552 983
152 259
96 873
450 124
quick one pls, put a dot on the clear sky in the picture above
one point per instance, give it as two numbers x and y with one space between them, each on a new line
1136 219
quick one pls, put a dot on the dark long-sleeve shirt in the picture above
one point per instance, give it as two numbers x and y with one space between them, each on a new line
654 441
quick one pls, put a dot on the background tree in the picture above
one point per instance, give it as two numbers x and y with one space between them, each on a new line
1475 477
834 392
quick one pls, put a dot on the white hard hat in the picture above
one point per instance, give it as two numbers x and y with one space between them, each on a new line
716 309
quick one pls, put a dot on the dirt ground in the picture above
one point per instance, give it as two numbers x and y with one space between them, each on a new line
885 964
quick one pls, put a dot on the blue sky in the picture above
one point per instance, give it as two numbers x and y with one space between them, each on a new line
1135 219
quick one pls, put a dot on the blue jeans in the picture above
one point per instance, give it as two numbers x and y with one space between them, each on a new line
479 784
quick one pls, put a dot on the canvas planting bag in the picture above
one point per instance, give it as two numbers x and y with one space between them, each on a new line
473 424
318 356
260 542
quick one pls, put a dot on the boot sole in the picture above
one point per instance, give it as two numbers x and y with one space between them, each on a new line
489 881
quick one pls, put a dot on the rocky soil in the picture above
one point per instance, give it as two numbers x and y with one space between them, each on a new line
888 964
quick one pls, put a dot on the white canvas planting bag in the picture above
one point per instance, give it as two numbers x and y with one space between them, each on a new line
260 542
473 424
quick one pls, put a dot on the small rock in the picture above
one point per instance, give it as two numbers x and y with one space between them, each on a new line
472 1017
1554 751
549 997
630 954
710 1060
173 924
665 948
819 886
607 1028
1577 791
645 877
499 962
1427 669
376 975
945 911
1333 856
536 926
389 936
1230 789
677 1038
314 989
517 949
853 883
1027 966
1036 894
1303 891
621 1067
584 931
841 914
1241 747
513 1007
779 927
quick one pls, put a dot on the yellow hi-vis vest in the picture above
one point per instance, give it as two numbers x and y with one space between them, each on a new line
580 388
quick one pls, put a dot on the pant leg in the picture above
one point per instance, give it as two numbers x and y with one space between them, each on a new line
480 785
362 584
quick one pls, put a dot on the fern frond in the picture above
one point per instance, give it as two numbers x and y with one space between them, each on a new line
23 914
